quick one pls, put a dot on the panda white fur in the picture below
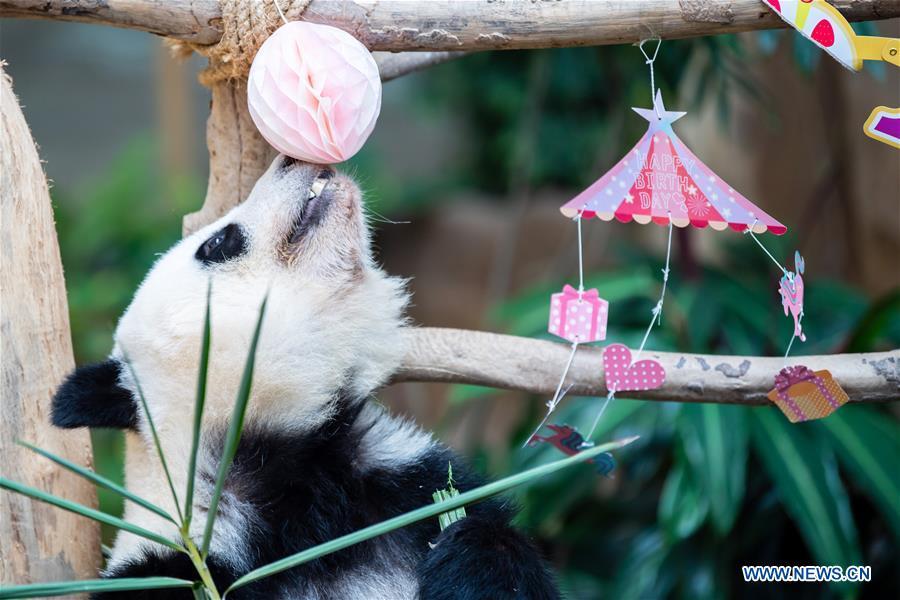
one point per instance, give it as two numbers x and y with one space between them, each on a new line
318 459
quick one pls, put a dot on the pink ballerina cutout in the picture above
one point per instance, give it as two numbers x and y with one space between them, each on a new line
791 290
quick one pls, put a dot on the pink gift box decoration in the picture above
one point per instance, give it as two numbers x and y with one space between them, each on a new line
578 317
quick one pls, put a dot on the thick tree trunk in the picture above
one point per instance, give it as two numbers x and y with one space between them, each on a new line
37 542
238 154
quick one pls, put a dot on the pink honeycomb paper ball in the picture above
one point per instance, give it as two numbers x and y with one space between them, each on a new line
314 92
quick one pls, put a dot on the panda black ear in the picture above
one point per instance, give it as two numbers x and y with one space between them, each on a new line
92 397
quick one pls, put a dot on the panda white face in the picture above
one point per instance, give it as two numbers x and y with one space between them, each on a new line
332 319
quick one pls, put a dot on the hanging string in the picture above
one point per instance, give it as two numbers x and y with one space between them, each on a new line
655 317
790 344
793 335
557 396
560 393
656 311
789 275
648 60
580 255
587 443
281 14
749 231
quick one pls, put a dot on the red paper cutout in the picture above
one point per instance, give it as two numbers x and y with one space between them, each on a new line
823 33
567 439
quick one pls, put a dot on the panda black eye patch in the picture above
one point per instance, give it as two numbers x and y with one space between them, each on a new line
226 244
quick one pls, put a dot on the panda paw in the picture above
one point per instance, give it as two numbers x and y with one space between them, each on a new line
478 557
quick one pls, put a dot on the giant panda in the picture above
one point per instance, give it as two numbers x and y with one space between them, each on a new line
318 457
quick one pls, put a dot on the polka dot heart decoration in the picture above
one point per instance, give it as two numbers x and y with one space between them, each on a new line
314 92
623 376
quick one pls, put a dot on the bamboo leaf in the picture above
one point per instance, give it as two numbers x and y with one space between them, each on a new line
85 511
425 512
682 507
869 452
99 480
714 439
159 448
805 475
64 588
234 432
199 403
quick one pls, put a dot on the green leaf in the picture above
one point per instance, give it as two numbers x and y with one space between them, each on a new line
869 454
425 512
99 480
64 588
156 443
461 393
86 512
229 449
714 438
199 403
682 507
875 323
638 572
704 316
805 475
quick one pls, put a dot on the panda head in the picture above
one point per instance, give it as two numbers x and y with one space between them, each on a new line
332 322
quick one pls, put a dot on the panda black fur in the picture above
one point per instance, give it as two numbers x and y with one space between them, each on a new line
318 458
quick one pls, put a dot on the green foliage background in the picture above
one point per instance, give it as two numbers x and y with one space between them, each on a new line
708 488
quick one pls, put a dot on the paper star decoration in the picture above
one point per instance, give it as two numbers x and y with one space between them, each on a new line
658 115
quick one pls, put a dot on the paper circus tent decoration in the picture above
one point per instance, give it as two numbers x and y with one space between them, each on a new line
660 180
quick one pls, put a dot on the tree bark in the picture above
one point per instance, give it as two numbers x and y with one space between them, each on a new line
530 365
403 25
38 542
393 65
238 154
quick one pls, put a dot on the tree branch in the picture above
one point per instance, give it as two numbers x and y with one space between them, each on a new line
197 21
393 65
530 365
402 25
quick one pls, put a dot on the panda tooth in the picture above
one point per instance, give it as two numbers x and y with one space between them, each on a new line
317 186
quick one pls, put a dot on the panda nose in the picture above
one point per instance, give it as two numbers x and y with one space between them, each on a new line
287 162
